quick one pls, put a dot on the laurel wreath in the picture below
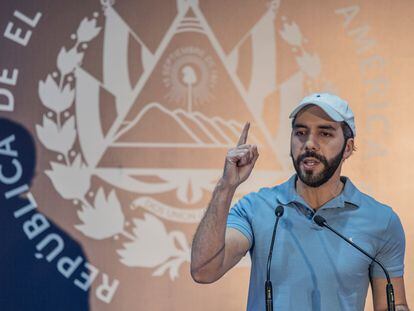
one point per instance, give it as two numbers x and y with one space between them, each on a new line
103 218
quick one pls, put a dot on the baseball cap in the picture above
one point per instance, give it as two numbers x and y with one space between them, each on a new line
334 106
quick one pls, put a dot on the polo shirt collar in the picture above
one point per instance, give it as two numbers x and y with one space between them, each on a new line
350 195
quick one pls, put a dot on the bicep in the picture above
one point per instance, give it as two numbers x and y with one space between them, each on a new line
379 294
236 246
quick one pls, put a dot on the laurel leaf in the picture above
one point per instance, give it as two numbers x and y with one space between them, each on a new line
68 60
55 139
160 270
100 198
87 30
68 135
47 133
174 266
310 64
67 98
47 92
53 98
77 162
105 219
141 252
291 34
70 182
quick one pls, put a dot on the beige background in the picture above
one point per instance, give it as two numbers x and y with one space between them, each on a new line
375 79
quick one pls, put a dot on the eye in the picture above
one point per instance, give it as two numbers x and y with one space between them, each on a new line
300 133
326 134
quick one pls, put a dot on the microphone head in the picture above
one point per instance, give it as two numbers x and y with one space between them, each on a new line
319 220
279 211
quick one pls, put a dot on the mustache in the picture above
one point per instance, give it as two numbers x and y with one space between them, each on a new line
312 154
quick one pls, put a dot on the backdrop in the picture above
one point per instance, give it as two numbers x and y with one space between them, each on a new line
117 114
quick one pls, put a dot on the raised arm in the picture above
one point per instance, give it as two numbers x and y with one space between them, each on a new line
216 249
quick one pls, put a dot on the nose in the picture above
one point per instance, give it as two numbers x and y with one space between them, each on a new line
311 143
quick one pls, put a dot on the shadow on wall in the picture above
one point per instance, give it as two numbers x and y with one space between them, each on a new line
39 263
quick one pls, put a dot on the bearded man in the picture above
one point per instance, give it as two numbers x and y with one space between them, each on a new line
312 268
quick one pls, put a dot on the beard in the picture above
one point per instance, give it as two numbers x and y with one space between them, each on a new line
311 178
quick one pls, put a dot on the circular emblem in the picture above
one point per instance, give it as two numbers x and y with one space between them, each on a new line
189 75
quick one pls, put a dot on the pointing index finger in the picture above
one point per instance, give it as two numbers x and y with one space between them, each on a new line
243 136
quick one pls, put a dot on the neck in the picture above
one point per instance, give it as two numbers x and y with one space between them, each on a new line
317 197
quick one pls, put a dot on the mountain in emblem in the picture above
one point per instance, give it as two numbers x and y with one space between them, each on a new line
189 101
177 127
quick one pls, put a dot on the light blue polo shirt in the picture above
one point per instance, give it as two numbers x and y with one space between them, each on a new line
312 268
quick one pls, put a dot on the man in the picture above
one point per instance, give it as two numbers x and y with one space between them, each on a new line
312 269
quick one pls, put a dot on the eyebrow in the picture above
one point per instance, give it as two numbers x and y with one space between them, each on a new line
327 127
299 125
322 127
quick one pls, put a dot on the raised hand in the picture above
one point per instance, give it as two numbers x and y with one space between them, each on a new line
240 160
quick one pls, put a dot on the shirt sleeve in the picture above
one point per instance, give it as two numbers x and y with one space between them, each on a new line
391 254
239 218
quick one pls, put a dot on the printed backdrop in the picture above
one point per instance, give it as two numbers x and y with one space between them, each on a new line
130 107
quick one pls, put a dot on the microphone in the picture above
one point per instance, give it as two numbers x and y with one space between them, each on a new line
319 220
268 284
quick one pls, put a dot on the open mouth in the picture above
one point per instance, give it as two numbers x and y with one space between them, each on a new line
310 163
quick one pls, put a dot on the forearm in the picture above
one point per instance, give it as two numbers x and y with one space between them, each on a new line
379 294
208 246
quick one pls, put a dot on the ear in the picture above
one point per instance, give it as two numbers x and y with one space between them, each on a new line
349 148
